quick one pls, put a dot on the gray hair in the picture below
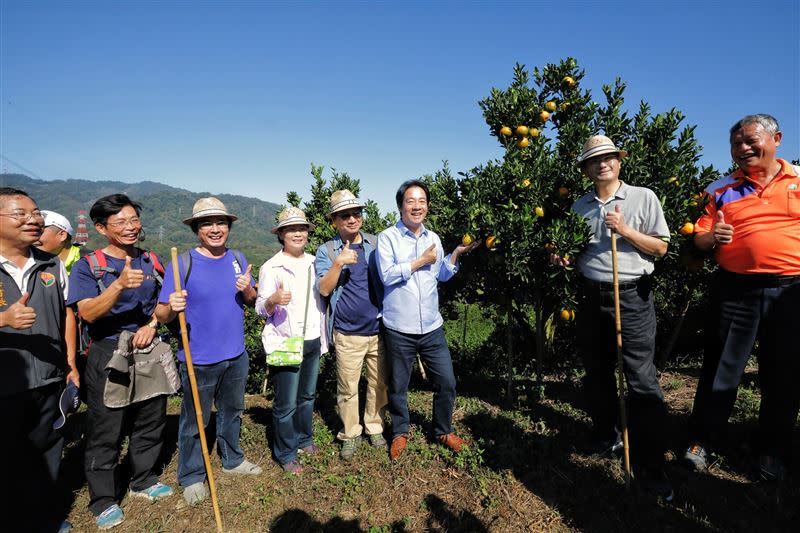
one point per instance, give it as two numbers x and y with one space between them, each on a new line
768 122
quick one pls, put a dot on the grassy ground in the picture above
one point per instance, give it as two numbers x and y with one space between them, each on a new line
524 472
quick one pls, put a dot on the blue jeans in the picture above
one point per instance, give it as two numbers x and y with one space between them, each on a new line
223 384
401 351
295 389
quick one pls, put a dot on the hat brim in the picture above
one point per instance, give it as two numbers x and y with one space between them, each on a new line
603 150
293 223
344 206
188 221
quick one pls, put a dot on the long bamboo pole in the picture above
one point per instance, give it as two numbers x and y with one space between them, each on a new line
623 419
198 410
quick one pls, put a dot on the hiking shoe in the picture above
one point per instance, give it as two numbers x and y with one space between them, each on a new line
245 468
399 444
771 468
311 449
113 516
452 441
195 493
377 441
695 457
153 492
65 527
349 447
292 467
657 485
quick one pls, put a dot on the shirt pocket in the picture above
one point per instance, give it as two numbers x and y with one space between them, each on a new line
793 203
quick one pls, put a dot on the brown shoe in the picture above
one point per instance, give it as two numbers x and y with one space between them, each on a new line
452 441
398 446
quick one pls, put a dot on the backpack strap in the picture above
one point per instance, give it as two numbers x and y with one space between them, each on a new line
99 265
158 268
371 239
329 248
239 257
186 261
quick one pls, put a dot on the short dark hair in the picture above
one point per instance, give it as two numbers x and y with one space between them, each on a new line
195 224
11 191
111 205
401 192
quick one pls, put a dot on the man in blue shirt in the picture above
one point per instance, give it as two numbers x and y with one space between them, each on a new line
216 287
347 277
411 263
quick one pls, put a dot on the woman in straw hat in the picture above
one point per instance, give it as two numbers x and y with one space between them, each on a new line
285 284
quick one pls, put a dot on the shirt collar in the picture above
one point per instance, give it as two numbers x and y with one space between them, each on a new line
404 229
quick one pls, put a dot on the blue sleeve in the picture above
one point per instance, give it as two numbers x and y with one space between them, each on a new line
168 287
390 272
322 264
82 284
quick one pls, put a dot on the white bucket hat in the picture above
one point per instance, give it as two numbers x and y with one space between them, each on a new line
599 145
292 216
208 207
344 199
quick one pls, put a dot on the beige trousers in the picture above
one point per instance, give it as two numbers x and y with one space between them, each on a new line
351 352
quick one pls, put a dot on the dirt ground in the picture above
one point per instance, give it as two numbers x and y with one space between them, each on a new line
525 471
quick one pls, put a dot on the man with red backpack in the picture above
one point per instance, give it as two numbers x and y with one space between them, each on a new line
115 290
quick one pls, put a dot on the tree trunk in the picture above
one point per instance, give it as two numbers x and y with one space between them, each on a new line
673 338
510 352
539 310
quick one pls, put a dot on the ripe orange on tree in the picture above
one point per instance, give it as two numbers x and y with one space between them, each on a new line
467 239
569 81
550 106
490 241
539 211
563 192
522 130
523 143
686 229
505 130
544 115
567 315
534 132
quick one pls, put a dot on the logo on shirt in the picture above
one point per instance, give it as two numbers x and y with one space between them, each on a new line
47 279
793 187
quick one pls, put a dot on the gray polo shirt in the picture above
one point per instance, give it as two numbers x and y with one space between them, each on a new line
642 212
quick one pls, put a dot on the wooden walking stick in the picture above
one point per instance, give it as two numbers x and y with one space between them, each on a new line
623 419
198 411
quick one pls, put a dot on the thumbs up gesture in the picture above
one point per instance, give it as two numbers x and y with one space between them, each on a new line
347 256
615 221
130 278
243 281
19 315
280 296
429 255
723 233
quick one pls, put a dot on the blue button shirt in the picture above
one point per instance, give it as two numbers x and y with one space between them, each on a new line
411 299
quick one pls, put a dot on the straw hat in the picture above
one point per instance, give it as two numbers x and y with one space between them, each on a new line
599 145
344 199
209 207
292 216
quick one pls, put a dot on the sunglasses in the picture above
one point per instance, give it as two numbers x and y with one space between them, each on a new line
346 216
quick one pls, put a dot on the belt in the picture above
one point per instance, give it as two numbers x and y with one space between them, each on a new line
609 286
758 280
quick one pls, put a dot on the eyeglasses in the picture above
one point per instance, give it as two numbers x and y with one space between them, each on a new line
134 222
22 216
346 216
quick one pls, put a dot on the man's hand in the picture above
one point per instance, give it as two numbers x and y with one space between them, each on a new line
19 315
244 281
177 301
428 257
74 377
130 278
557 260
280 297
723 233
347 256
615 221
465 249
143 336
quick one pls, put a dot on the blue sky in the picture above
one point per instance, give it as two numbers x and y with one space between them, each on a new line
240 97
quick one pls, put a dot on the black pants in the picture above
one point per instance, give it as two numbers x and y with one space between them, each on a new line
31 449
597 345
105 429
746 308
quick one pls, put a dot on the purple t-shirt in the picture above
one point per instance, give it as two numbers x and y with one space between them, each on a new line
214 308
134 308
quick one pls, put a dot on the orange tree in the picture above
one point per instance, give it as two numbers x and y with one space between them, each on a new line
520 204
